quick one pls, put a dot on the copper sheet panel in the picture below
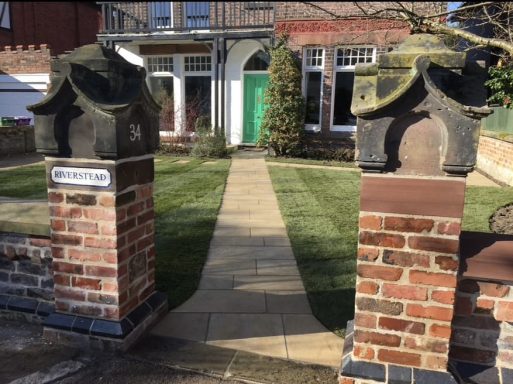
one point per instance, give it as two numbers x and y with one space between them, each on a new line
412 196
486 256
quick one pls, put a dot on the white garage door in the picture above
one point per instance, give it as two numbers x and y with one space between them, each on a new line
18 91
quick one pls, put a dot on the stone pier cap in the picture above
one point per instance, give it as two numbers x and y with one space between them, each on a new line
98 106
421 83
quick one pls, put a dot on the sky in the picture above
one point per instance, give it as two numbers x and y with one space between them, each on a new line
451 5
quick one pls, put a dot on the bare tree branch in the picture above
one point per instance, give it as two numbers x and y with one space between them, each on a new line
497 15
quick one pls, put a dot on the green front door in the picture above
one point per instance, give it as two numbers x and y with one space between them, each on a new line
254 107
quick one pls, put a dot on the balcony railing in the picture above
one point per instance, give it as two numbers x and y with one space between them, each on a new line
161 16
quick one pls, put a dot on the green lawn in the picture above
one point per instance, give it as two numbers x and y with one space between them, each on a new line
296 160
320 209
24 183
187 198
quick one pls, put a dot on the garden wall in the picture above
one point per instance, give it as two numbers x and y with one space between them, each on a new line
26 276
18 139
482 327
495 156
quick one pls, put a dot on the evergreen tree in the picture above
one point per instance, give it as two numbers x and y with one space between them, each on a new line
283 124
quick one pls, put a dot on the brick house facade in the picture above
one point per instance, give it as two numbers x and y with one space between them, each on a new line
344 38
61 25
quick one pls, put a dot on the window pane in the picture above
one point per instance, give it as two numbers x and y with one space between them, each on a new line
198 63
197 14
313 57
343 93
258 62
160 64
160 12
313 97
162 90
197 99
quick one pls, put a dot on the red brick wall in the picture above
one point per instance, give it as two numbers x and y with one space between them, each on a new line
495 157
21 59
62 25
482 326
324 10
405 289
103 249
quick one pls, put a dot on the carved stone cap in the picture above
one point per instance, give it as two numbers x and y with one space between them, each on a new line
379 85
99 75
422 44
419 110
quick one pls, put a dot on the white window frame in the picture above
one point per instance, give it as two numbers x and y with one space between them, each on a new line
158 73
198 73
5 15
376 50
314 68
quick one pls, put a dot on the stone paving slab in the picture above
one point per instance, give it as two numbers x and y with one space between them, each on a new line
187 326
478 179
25 217
261 334
267 267
237 241
287 302
239 252
232 231
268 283
228 301
216 282
308 340
230 267
269 232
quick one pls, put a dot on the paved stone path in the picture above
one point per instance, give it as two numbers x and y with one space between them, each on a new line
251 297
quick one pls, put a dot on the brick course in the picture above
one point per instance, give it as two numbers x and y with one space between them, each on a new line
482 328
25 59
26 266
495 158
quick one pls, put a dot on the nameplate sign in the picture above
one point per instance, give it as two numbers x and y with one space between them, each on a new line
92 177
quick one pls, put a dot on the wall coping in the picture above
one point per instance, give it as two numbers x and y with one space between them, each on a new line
503 136
486 257
25 217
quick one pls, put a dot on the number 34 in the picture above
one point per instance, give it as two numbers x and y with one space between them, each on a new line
135 132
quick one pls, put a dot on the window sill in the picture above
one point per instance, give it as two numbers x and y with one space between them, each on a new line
343 128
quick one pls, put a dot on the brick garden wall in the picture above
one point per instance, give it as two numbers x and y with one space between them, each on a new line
495 157
482 325
25 272
24 60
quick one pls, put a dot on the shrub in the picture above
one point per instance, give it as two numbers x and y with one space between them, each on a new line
208 143
283 123
501 85
337 150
